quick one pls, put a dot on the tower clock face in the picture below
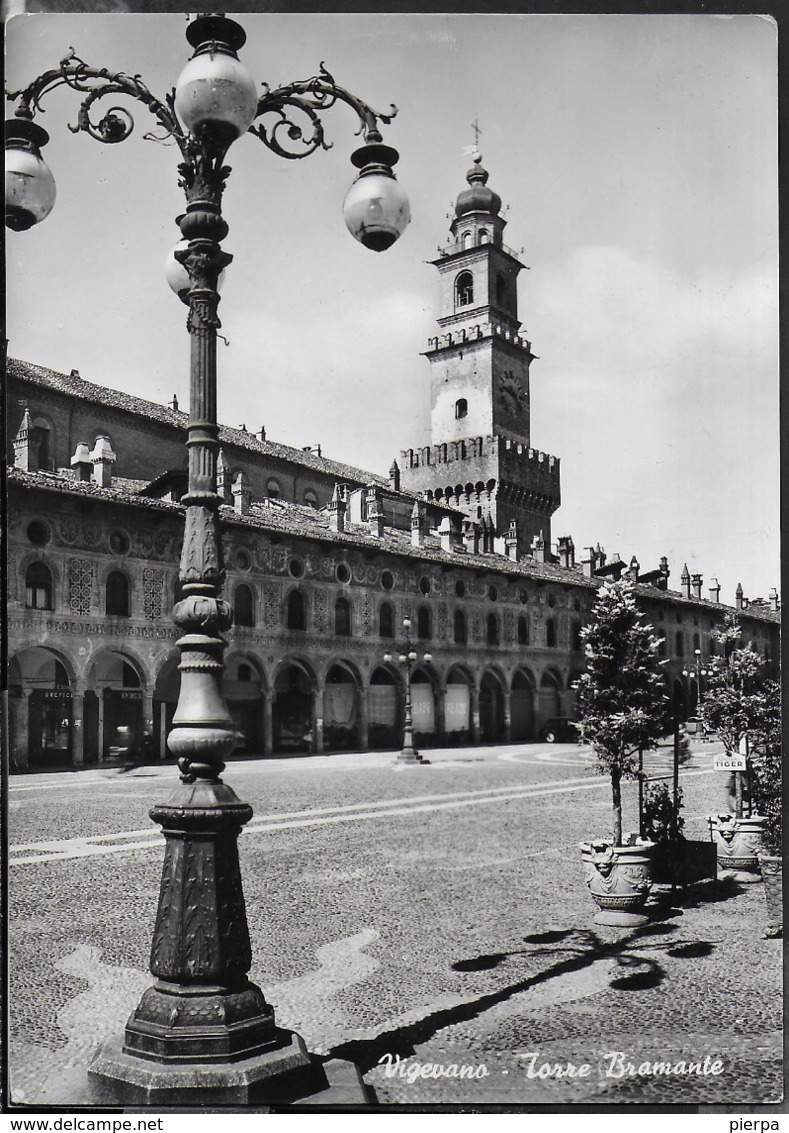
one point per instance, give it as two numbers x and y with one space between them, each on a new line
511 396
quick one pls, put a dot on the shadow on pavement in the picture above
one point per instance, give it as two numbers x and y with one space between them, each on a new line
581 949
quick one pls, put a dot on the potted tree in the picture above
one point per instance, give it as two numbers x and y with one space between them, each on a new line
766 784
733 706
621 710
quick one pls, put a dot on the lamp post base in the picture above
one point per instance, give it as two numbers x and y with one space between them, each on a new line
284 1075
408 755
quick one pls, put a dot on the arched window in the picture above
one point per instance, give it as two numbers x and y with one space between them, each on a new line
461 408
484 236
466 239
696 642
461 634
550 633
386 620
244 612
310 498
680 643
297 617
523 631
492 633
273 490
464 289
118 595
342 617
423 623
38 587
577 642
501 290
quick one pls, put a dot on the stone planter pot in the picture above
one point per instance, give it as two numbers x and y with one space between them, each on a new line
773 892
738 841
619 878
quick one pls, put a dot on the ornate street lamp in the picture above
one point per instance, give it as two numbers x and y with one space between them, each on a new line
407 657
203 1033
695 673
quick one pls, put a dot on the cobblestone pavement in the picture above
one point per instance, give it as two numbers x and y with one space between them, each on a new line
404 915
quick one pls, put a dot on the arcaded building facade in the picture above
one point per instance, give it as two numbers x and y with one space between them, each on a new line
323 561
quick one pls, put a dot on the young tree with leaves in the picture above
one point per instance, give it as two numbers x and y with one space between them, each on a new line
766 767
621 701
734 701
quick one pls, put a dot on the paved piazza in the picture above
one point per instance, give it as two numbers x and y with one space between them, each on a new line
431 914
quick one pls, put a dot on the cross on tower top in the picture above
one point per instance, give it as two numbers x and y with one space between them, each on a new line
477 132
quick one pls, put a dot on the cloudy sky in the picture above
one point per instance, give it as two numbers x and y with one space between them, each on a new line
637 155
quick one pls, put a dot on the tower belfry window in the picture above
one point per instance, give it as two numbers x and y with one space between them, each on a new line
461 408
464 289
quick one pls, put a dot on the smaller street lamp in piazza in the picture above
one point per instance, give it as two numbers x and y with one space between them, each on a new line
694 673
203 1033
407 657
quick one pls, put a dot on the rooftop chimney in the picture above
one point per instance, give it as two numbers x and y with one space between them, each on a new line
449 534
471 536
223 486
262 432
81 461
715 590
375 514
242 495
739 601
26 444
775 601
394 476
417 525
174 404
103 459
337 510
566 549
512 541
635 567
695 582
684 579
540 550
589 564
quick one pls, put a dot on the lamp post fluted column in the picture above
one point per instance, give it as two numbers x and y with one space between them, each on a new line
203 1033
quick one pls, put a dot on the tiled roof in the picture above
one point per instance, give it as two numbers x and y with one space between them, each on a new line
74 386
301 520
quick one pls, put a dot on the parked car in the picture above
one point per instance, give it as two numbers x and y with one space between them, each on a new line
559 729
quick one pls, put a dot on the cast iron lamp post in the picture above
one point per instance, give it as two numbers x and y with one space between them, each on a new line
203 1033
694 673
407 657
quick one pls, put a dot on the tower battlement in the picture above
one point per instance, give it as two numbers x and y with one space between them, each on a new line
474 333
514 457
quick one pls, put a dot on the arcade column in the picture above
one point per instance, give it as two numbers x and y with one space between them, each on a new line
78 724
317 721
474 714
363 696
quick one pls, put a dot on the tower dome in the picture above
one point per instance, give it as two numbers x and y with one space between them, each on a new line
478 197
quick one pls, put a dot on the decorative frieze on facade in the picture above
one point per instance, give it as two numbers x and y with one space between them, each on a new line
367 616
152 591
80 585
272 594
319 611
442 623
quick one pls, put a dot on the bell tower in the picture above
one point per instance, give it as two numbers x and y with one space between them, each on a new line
480 459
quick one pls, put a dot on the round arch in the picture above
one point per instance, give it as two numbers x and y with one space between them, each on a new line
384 707
549 703
491 706
293 706
40 708
522 704
342 716
114 724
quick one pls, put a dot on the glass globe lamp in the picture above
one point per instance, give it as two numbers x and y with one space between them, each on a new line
29 184
376 208
214 90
